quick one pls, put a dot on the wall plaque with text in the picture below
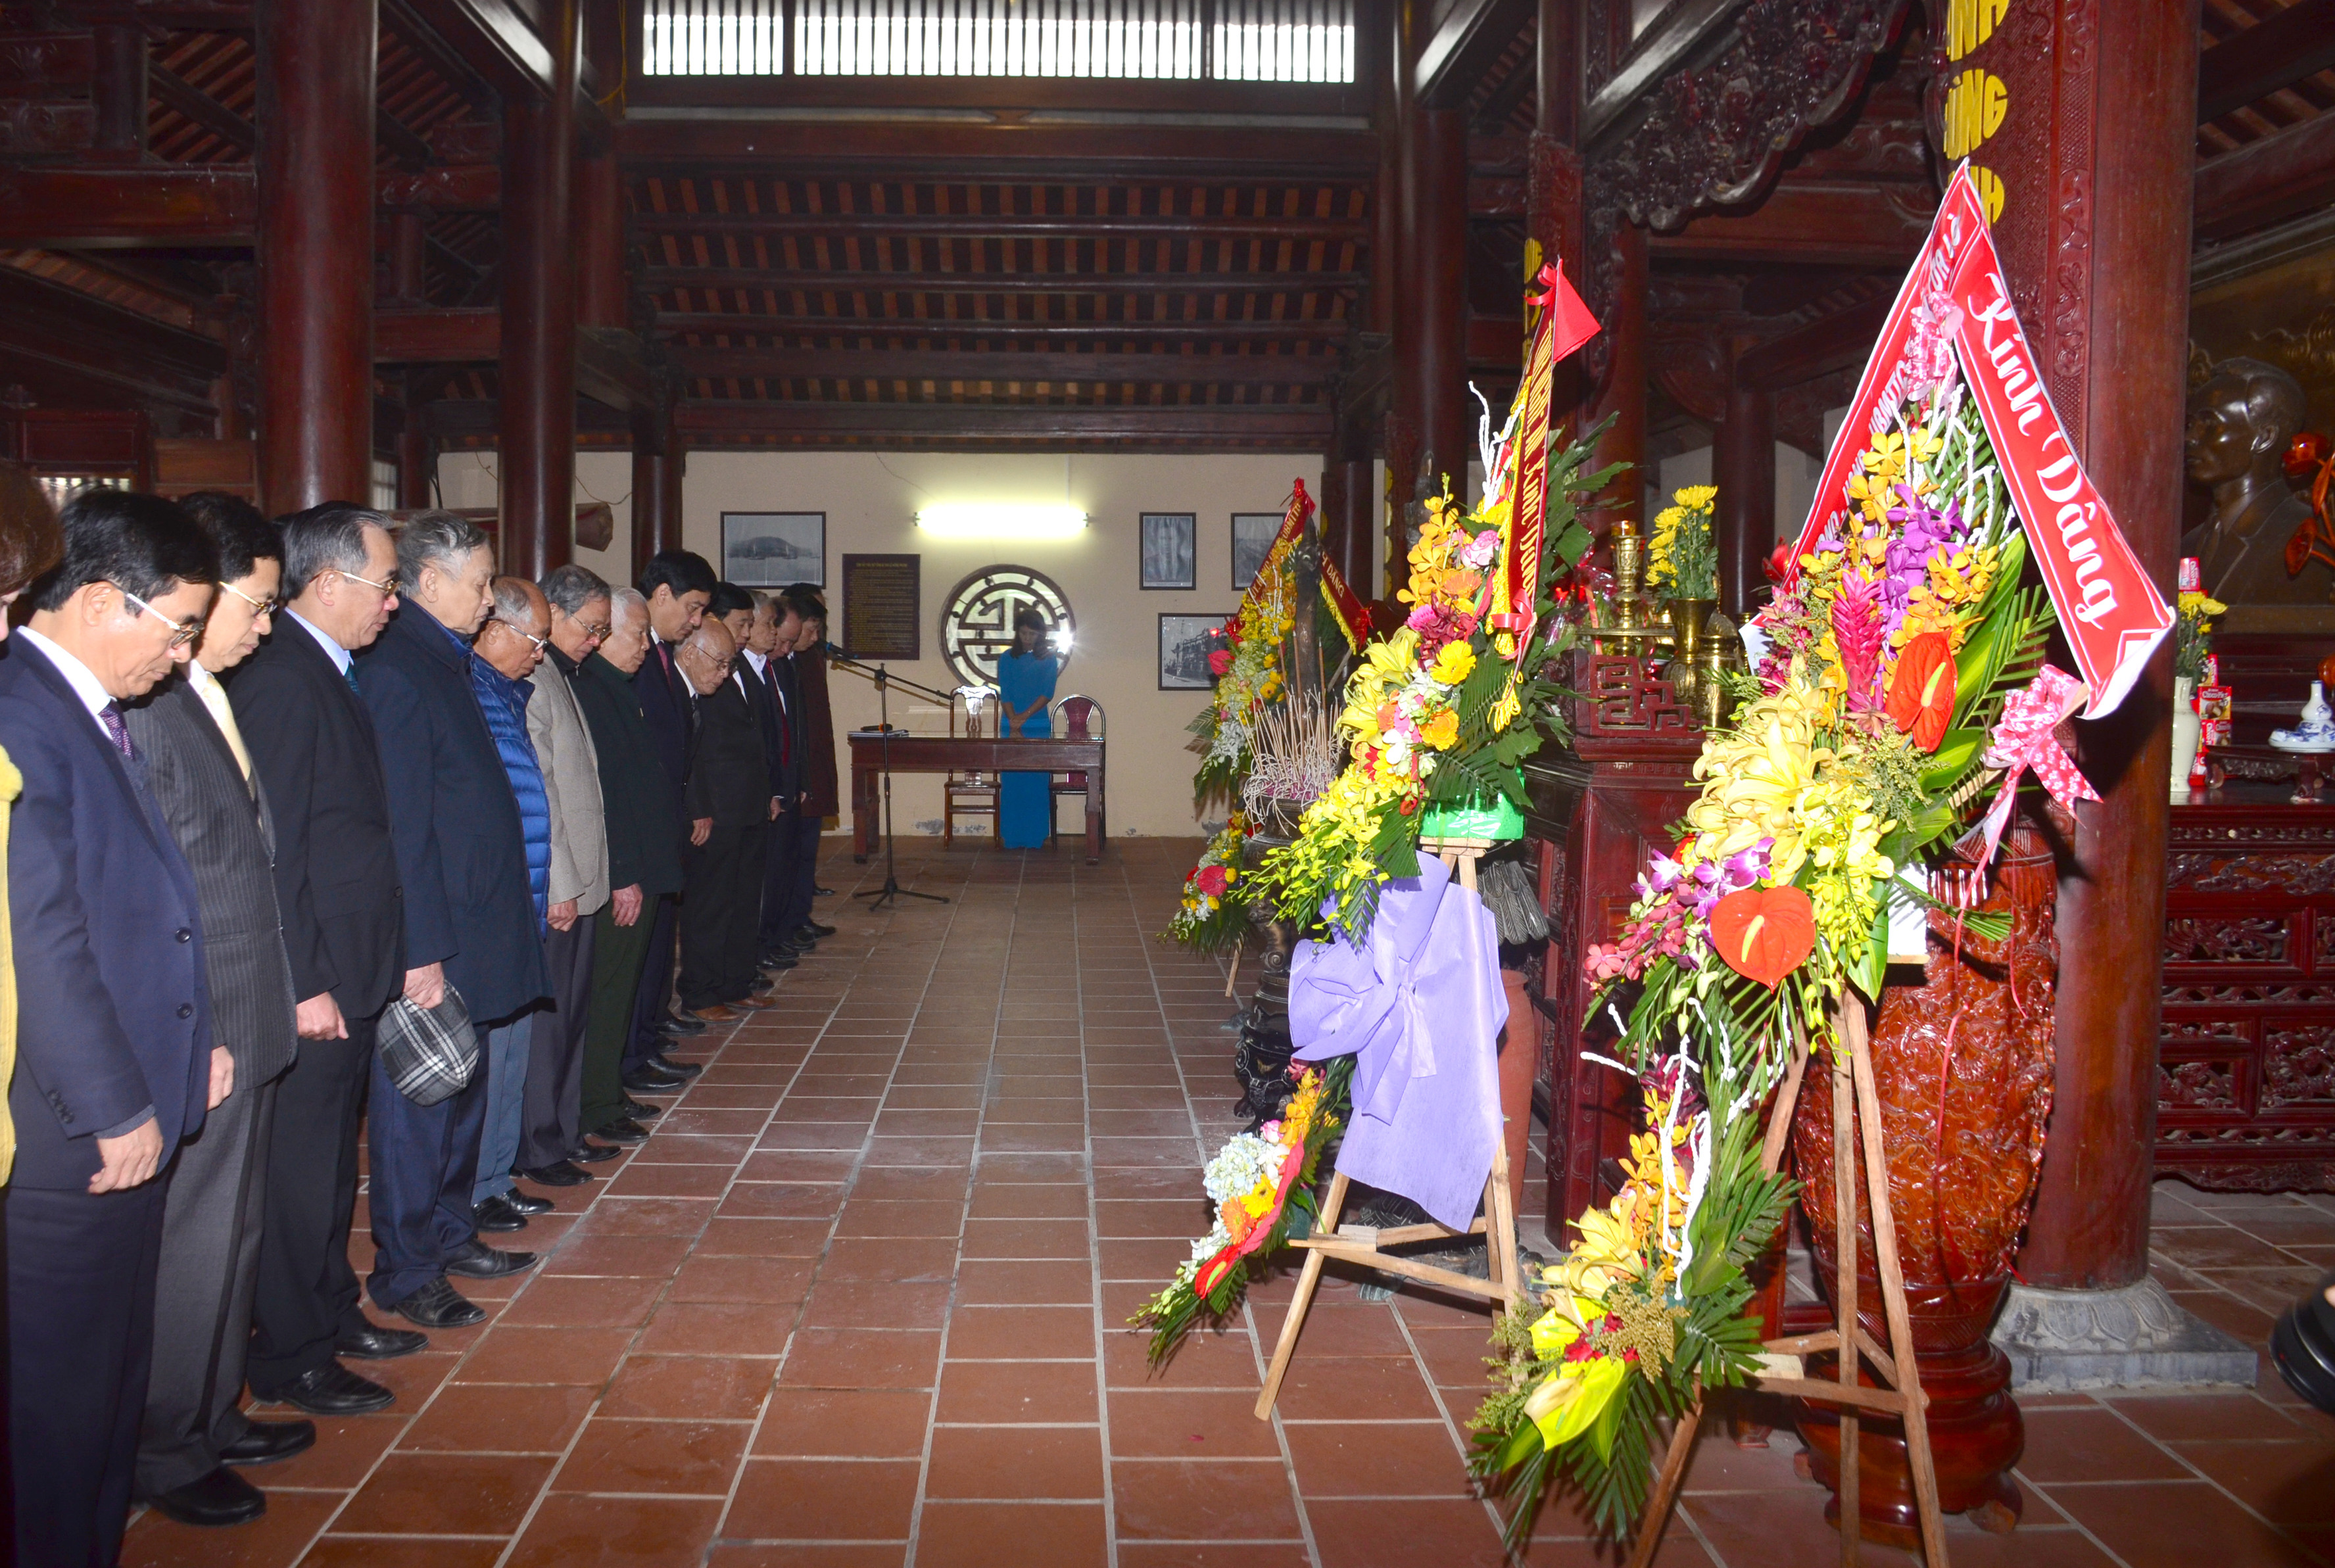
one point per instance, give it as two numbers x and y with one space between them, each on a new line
880 606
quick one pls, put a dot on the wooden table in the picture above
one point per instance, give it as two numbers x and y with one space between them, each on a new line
956 754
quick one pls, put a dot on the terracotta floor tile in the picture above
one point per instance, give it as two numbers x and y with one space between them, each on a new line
1203 1499
381 1551
1009 1464
670 1181
412 1378
933 1151
1214 1555
862 1358
515 1354
719 1328
812 1135
1009 1392
910 1184
2176 1523
492 1418
1401 1533
702 1388
2204 1415
588 1253
345 1448
742 1279
985 1534
658 1216
733 1236
1208 1359
1030 1281
445 1494
781 1200
1026 1239
571 1531
273 1540
1187 1424
1022 1334
2091 1446
566 1300
673 1148
877 1304
889 1258
671 1457
872 1217
845 1424
2285 1482
1026 1201
812 1500
1377 1459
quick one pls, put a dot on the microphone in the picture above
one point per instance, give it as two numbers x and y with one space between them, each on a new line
832 650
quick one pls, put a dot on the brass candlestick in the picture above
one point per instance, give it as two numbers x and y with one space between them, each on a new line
1622 625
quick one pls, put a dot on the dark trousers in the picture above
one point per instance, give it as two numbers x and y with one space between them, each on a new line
81 1339
203 1287
805 868
779 879
649 1004
720 915
307 1291
424 1160
555 1062
616 954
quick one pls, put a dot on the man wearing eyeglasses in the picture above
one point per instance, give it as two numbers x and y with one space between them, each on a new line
472 921
114 1041
315 755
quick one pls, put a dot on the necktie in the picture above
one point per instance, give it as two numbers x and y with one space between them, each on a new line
111 716
214 696
349 673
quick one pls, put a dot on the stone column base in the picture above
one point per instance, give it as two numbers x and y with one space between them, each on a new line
2134 1337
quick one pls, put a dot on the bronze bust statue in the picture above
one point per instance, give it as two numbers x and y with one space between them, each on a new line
2240 423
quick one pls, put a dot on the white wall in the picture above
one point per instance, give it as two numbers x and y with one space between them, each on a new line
870 500
1796 483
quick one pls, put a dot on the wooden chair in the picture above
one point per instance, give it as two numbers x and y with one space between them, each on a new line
1076 718
971 794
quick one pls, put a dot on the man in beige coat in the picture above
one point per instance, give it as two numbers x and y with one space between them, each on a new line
552 1152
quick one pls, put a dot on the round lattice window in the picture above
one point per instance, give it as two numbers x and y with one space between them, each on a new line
978 623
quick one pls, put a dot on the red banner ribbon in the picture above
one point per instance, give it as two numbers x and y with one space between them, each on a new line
1563 325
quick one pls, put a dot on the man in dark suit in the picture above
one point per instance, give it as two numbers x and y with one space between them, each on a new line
677 585
469 915
772 632
314 753
113 1041
805 674
200 776
729 805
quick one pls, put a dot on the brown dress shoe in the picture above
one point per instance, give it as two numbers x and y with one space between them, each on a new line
745 1004
717 1013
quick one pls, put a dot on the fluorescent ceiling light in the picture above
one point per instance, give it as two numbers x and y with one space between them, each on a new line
1003 520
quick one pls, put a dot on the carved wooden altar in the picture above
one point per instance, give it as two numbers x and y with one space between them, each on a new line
1597 811
2247 1054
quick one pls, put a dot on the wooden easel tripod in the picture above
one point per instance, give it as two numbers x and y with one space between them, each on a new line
1855 1103
1362 1243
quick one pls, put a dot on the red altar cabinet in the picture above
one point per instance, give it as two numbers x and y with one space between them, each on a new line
2246 1054
1597 810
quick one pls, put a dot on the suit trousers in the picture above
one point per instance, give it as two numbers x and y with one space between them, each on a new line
805 868
308 1290
655 992
617 952
505 1050
81 1341
423 1159
721 915
211 1220
555 1057
779 879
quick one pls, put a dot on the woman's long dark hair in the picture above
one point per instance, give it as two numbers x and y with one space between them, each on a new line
1026 616
31 541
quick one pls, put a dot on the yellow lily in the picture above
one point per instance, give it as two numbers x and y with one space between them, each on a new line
1569 1404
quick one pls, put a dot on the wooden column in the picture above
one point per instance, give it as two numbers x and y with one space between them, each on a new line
1553 218
315 180
2096 156
600 289
1396 282
1447 413
1623 392
1743 466
537 462
118 88
408 250
417 463
657 462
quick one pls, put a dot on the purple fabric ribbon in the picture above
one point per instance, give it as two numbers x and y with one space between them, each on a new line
1419 1007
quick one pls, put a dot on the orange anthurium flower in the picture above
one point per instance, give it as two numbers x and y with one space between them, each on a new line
1921 693
1764 933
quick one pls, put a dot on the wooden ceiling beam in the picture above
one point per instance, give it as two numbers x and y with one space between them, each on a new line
449 336
1830 224
2275 53
177 93
1006 225
1258 427
493 39
59 207
660 279
1460 53
1824 345
954 365
440 57
1018 151
60 326
672 323
2268 181
444 188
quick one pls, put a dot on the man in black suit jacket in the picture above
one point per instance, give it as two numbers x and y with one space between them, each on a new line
114 1064
677 585
201 778
470 916
313 749
729 805
772 624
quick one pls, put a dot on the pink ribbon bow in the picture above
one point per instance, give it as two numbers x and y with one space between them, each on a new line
2024 740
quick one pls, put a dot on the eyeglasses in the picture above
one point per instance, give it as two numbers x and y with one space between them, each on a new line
264 606
540 642
598 632
390 587
181 632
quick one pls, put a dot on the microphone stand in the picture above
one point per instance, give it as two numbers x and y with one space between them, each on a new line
884 679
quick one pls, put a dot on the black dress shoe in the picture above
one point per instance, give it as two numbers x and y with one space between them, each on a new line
438 1305
780 961
478 1261
264 1442
332 1389
682 1023
559 1174
816 929
822 892
374 1343
528 1202
623 1130
222 1497
678 1068
590 1153
675 1031
497 1216
640 1110
647 1079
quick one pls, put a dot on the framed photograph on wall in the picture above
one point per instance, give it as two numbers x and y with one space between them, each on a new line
1170 550
772 549
1252 536
1185 643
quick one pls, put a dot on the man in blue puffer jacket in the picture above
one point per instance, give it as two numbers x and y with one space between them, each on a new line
509 647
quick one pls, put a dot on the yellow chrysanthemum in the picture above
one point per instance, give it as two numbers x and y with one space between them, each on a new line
1696 497
1454 664
1441 731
